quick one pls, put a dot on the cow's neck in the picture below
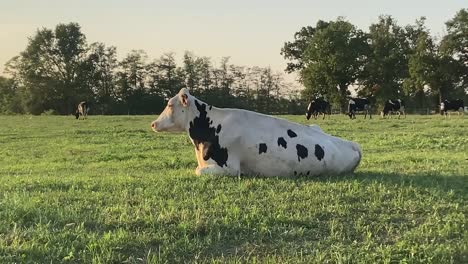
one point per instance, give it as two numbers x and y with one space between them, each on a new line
203 129
202 120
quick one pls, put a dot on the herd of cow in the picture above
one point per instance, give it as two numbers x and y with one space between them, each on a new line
236 142
320 106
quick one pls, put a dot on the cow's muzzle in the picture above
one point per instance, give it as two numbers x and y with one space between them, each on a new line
154 126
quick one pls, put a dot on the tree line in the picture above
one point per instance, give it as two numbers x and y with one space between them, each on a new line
388 61
58 69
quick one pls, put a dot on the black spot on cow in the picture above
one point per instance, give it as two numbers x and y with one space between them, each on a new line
291 133
302 152
201 132
262 148
319 153
282 142
211 107
218 129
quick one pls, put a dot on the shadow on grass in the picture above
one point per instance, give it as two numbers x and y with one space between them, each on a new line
227 240
457 183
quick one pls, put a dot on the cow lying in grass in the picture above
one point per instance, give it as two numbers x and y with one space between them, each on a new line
235 141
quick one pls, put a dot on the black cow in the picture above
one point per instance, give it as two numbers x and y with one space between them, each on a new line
452 105
82 110
392 106
359 104
318 106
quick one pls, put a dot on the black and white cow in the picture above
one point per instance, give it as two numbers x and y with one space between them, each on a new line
236 141
359 104
452 105
82 110
393 106
318 106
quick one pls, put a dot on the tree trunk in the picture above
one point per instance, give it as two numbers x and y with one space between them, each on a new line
343 98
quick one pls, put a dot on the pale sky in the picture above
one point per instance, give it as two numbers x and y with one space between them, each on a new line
250 32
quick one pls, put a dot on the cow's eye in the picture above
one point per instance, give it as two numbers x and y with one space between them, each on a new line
170 105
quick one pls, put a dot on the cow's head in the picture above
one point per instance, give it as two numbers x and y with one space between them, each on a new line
175 116
77 114
309 110
351 106
385 111
442 106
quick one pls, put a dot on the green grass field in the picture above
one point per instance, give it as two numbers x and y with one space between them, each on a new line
109 190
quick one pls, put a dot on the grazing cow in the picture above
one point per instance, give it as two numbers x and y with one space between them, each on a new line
453 105
359 104
82 110
392 106
318 106
235 141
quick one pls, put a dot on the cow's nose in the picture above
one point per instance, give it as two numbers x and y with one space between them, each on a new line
153 125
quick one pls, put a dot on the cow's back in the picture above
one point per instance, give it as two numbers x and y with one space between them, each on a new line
272 146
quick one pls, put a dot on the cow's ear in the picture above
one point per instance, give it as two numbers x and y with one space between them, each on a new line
184 99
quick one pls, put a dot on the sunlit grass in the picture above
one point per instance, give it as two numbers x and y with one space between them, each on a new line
108 190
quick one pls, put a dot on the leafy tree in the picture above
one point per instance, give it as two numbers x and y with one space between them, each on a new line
455 43
131 79
10 102
50 68
420 63
165 77
387 64
294 51
193 67
332 58
102 64
432 72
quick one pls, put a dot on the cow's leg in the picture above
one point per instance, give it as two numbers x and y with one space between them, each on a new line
323 116
199 158
209 166
215 169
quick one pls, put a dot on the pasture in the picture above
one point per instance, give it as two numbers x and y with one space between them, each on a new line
109 190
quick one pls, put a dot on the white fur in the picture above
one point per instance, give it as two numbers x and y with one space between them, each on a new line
242 132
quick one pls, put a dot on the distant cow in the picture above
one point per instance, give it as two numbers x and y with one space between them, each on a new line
393 106
318 106
82 110
452 105
235 141
359 104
